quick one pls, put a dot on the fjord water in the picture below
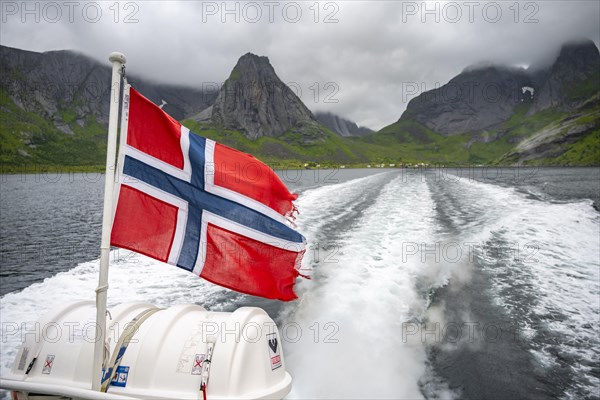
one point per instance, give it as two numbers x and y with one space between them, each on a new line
473 283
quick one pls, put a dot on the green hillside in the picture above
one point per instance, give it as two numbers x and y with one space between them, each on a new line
27 139
416 143
295 149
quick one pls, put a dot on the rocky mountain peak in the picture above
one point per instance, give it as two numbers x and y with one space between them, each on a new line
254 100
581 53
479 98
57 84
252 63
573 77
484 95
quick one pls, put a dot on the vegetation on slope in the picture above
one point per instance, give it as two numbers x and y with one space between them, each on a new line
29 139
26 138
416 143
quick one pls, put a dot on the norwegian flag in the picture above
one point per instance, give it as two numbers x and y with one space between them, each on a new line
204 207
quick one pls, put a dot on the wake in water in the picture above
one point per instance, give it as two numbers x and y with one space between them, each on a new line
540 263
362 291
378 277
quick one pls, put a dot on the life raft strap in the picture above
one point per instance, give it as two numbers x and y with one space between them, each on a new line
210 346
121 346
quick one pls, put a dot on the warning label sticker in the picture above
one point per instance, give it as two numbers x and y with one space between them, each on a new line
48 365
274 350
190 348
120 378
197 366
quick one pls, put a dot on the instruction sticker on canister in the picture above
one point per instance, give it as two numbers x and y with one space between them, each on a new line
48 364
120 378
197 367
274 350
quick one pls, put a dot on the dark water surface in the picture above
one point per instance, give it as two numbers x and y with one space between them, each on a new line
472 283
52 222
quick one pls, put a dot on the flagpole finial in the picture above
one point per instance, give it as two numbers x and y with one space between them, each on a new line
115 56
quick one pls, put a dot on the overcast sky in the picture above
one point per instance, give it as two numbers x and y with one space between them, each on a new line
358 59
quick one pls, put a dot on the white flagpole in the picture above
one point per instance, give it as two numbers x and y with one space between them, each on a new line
117 60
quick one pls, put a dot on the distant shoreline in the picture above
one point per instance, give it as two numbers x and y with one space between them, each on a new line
81 169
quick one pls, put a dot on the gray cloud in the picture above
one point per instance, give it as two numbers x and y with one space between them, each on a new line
353 58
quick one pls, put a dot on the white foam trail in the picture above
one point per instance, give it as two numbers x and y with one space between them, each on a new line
552 248
324 205
132 277
370 290
358 304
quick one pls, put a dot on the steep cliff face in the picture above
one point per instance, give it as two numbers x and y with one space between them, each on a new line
477 99
59 83
482 98
255 101
571 79
341 126
573 138
46 83
54 111
54 107
544 115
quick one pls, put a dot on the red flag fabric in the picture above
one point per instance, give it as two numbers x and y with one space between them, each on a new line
202 206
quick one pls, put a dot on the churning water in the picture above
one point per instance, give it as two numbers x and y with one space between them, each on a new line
425 283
